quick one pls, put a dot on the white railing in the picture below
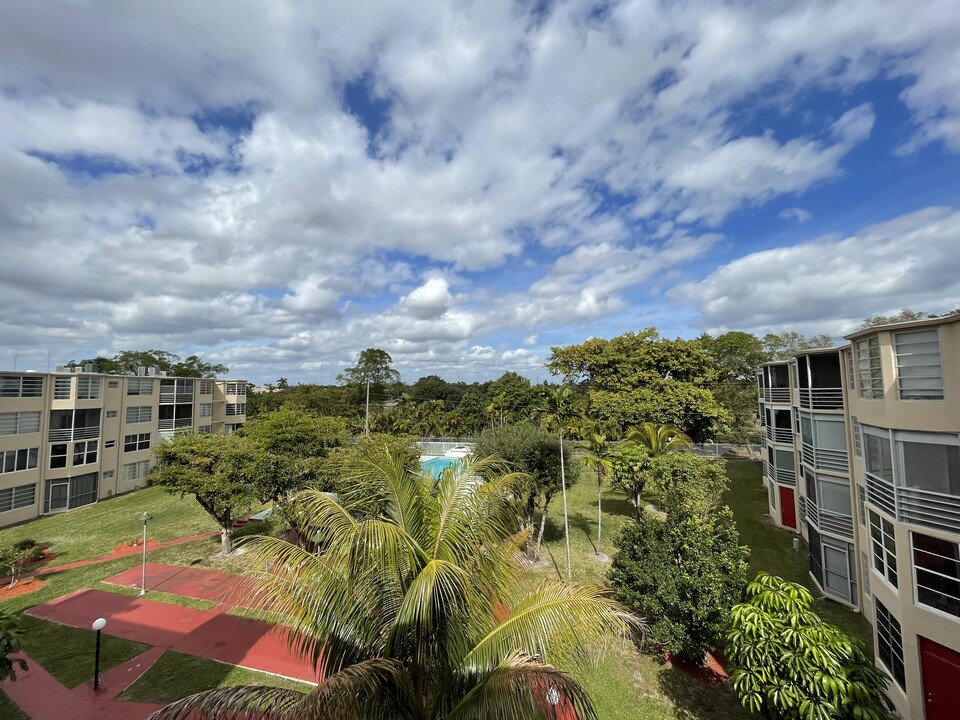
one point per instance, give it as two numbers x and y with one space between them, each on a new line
823 459
780 435
171 423
777 395
68 434
880 493
928 508
169 397
821 398
783 476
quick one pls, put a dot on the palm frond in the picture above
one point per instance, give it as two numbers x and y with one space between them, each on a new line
234 703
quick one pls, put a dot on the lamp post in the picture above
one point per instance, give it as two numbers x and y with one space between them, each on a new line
98 625
143 574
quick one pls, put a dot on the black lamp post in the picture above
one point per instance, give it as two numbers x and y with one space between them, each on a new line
98 625
143 572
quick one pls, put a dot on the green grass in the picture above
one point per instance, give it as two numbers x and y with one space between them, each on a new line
9 710
94 530
67 653
157 596
771 548
176 675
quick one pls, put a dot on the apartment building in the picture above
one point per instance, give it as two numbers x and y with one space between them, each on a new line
876 450
75 436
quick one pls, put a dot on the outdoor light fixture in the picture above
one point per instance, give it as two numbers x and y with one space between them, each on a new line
143 573
98 625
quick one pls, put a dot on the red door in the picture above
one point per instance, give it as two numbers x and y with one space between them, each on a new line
940 667
788 509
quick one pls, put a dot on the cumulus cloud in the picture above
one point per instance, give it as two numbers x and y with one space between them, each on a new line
830 284
195 177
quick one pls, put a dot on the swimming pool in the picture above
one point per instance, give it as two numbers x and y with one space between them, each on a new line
435 466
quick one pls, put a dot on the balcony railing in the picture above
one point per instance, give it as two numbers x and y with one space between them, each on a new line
802 506
68 434
783 476
171 424
827 521
928 508
780 435
167 398
823 459
777 394
880 493
821 398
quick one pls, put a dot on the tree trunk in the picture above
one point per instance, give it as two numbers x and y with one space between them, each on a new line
226 537
543 526
566 524
599 510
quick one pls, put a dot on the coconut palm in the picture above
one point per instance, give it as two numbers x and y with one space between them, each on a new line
560 413
409 607
598 457
657 439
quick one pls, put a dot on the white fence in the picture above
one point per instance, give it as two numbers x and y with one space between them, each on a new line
729 451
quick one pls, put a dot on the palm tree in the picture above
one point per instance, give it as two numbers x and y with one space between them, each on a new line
561 411
658 439
597 456
409 607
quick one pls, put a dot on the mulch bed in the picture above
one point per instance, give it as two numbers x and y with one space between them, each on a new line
21 588
128 548
712 672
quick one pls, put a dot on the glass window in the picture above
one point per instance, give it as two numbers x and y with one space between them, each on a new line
834 495
88 388
890 644
83 490
136 471
831 433
140 386
18 497
58 456
206 409
932 467
19 423
21 386
18 460
61 388
140 441
838 568
878 457
919 375
139 414
937 566
884 547
869 371
85 452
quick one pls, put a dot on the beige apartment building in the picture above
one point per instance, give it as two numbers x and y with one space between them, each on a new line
881 437
73 437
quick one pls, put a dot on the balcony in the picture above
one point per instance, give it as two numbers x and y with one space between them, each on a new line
822 459
821 398
168 398
880 493
928 508
826 521
68 434
783 476
777 395
780 435
173 424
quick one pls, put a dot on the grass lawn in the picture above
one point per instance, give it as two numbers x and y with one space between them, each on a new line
67 652
95 529
176 675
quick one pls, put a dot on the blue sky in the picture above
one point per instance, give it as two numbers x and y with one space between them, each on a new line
277 186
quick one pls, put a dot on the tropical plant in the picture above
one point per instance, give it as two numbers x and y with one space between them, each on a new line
788 663
598 457
411 610
11 642
657 439
558 414
630 473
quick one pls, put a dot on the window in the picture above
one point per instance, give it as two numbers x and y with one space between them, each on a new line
111 413
68 425
235 388
112 384
890 644
930 465
204 429
19 423
132 443
83 490
58 456
206 387
869 371
21 386
884 548
857 440
878 460
936 563
110 444
107 474
851 375
833 495
139 414
17 460
85 452
206 409
839 568
861 505
88 388
61 388
140 386
236 408
919 376
136 471
18 497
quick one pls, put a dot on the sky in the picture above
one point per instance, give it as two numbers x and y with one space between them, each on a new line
276 186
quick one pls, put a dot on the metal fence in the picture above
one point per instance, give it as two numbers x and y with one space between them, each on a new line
727 450
439 446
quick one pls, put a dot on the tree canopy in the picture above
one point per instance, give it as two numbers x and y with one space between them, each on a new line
126 362
784 345
373 367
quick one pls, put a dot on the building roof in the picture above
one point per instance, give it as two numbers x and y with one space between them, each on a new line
926 322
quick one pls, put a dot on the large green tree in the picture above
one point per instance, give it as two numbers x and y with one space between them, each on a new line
529 450
126 362
784 345
214 469
788 663
414 611
373 370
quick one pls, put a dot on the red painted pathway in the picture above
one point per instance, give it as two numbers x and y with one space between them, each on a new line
188 582
211 634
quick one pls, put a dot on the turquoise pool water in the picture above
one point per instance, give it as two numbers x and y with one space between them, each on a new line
437 465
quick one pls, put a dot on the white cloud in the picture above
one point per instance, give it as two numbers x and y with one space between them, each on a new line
830 284
795 213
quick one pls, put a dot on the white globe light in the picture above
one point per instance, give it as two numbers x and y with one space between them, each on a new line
99 624
553 696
